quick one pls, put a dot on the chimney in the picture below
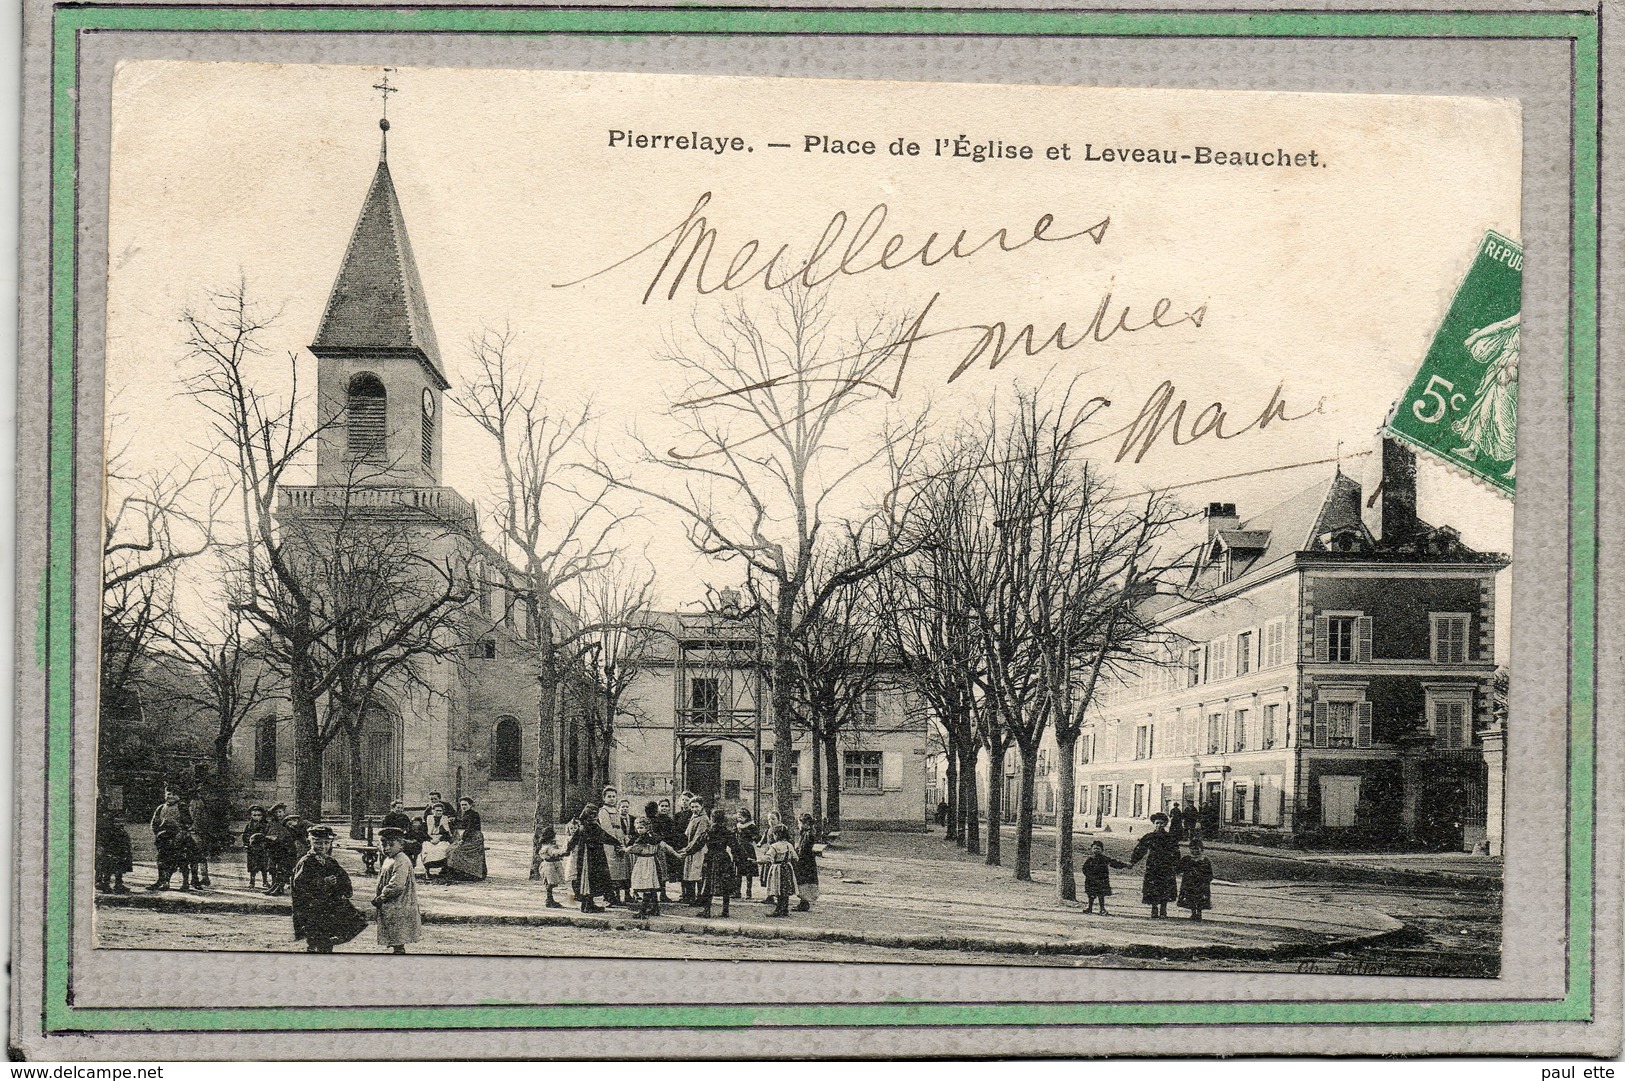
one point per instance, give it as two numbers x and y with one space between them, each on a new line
1221 516
1388 501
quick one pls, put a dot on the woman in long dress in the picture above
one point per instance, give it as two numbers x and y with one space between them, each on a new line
586 849
1161 854
466 860
436 842
1491 424
694 853
615 859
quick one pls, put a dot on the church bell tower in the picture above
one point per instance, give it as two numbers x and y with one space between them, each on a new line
379 377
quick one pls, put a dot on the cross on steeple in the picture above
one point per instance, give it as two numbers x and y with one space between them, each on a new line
385 90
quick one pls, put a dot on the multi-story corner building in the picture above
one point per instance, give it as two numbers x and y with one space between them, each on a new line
1327 674
699 719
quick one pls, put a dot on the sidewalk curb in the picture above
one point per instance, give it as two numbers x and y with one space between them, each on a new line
1385 876
924 942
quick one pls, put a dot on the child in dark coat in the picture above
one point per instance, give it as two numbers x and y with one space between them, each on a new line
1097 876
1195 881
257 845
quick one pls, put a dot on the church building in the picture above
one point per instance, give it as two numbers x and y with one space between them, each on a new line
458 725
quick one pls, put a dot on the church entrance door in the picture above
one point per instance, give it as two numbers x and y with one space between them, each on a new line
380 767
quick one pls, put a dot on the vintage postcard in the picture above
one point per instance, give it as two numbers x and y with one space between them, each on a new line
916 529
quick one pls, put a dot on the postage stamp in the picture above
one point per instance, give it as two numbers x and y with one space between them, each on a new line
1463 405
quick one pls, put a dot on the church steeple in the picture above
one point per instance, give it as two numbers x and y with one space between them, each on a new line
377 307
378 363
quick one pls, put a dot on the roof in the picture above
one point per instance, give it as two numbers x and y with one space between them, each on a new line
377 306
1293 524
1245 538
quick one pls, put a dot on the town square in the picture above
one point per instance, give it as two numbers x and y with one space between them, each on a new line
406 650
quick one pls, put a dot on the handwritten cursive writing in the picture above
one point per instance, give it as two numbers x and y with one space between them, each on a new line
1155 419
693 243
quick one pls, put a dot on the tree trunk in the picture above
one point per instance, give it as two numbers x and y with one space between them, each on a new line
817 748
951 797
782 676
307 742
358 782
549 786
222 763
1024 814
1065 750
832 778
969 807
995 802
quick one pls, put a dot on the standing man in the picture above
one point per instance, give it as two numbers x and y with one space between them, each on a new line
169 826
620 870
322 913
399 921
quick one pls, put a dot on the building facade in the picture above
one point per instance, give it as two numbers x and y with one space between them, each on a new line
1327 677
699 720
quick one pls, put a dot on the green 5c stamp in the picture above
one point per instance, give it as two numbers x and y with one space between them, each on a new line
1463 404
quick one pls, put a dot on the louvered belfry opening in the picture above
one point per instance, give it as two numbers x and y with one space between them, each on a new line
366 413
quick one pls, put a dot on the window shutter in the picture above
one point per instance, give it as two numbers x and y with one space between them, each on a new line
1322 650
1362 724
1320 724
891 769
1362 644
1224 658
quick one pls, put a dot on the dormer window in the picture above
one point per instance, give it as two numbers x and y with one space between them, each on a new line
366 411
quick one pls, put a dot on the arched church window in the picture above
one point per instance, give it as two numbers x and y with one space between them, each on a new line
265 749
505 750
366 412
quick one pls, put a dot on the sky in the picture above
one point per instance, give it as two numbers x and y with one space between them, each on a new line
1324 281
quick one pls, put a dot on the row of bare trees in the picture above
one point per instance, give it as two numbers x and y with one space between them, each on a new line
1026 591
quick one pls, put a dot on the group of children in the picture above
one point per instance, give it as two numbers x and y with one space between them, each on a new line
610 855
1169 876
181 834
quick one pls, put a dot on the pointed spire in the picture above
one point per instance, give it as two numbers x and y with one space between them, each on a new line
377 307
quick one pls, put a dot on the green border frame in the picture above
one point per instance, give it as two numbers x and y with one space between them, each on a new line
56 642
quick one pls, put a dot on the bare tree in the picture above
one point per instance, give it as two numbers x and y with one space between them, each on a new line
230 676
154 522
767 420
392 609
553 523
258 439
621 633
928 626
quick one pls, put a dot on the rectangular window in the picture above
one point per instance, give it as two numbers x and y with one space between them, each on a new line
860 771
1449 638
1193 666
1106 800
1450 723
1240 803
1238 728
1274 644
1086 748
1339 724
1215 733
483 650
1218 654
795 770
1244 653
265 750
703 699
428 438
1139 801
869 707
1340 639
1142 741
1272 732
